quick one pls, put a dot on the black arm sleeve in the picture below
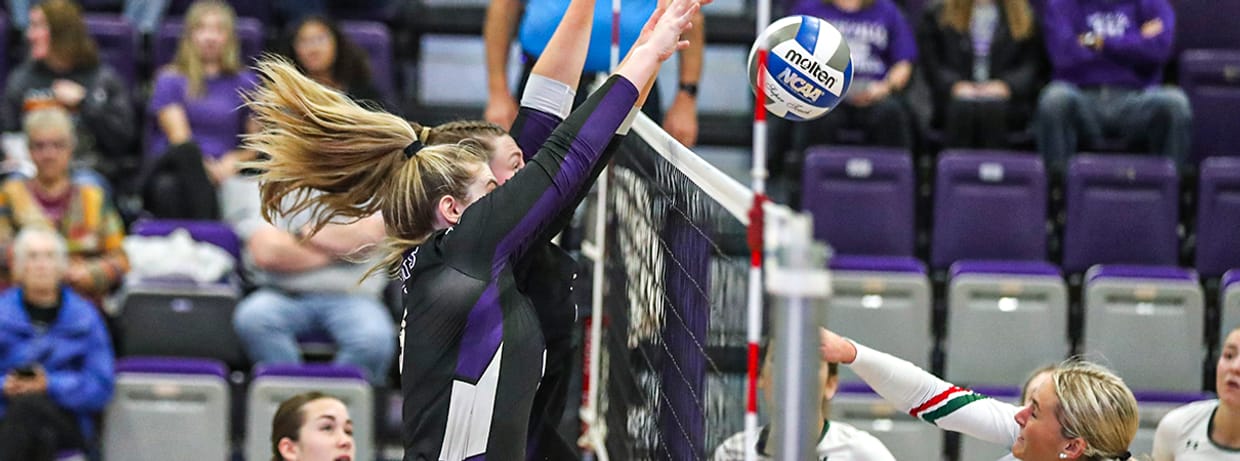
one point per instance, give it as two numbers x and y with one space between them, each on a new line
502 225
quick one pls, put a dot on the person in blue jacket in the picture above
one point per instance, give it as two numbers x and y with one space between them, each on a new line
55 355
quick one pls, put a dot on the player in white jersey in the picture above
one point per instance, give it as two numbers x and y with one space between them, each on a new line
1210 429
838 442
1084 412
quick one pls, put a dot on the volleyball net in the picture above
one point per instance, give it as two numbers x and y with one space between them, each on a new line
672 359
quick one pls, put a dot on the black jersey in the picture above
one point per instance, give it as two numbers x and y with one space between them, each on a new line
546 275
473 350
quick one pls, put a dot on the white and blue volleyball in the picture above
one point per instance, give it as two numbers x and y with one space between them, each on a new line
808 68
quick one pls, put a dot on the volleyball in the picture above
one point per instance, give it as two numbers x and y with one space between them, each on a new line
808 67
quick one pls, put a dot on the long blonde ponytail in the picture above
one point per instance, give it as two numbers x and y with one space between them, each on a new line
340 161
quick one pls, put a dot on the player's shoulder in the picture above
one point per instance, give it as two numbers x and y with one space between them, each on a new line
1191 413
861 444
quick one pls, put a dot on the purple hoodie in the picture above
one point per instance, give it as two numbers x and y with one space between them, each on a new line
878 36
1126 59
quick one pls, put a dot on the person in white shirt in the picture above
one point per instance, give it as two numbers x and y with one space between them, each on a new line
838 442
1084 412
1209 429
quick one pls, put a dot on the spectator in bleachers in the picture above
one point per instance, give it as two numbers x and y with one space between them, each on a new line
56 361
838 440
305 288
883 51
320 51
982 59
64 70
312 426
537 21
198 116
1209 429
79 210
1107 59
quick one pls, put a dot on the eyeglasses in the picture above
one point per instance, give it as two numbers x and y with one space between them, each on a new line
62 144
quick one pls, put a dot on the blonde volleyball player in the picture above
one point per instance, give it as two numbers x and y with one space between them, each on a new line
472 342
1084 412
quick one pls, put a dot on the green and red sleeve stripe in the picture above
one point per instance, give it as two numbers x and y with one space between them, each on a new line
945 403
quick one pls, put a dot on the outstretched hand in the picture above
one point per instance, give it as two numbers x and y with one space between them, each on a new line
662 32
835 348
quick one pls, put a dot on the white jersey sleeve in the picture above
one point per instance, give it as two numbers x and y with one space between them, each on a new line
935 401
1184 435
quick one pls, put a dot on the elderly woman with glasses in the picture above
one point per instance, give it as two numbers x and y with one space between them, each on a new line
79 211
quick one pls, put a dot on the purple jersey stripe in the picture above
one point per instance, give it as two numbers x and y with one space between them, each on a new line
483 333
535 130
484 327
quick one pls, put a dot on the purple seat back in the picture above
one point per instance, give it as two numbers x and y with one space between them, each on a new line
376 40
861 199
1174 397
1231 277
309 370
384 12
213 232
1218 216
1206 24
1121 209
164 45
172 365
1211 80
118 43
988 205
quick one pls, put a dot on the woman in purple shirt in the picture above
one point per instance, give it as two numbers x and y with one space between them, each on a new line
198 115
1107 59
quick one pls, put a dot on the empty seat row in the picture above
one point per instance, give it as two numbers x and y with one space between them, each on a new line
992 205
185 403
1007 307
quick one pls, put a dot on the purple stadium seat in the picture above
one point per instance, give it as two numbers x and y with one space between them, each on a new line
1121 209
178 316
4 45
348 11
309 370
1211 79
1218 216
1206 24
118 44
988 205
861 199
171 365
213 232
274 383
164 46
163 404
902 264
1229 302
1164 306
376 40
